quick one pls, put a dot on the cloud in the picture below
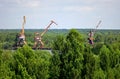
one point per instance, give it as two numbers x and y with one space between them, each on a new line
29 3
79 8
68 5
20 3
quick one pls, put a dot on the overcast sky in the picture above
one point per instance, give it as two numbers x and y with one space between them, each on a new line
67 13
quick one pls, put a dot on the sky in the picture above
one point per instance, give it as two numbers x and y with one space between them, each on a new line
68 14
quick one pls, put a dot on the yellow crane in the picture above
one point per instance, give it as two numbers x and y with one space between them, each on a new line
21 36
38 36
91 34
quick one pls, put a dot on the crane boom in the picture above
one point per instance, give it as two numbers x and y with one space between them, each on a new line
24 21
48 27
97 25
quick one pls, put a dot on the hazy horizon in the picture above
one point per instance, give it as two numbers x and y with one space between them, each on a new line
60 29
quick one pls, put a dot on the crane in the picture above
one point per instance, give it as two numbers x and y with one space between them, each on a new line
38 37
91 34
21 36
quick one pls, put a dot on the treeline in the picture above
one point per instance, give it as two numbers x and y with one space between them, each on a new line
70 58
8 37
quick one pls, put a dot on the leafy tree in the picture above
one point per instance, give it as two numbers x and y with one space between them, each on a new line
55 65
70 51
99 38
99 74
30 65
96 48
5 59
117 71
91 64
104 58
110 74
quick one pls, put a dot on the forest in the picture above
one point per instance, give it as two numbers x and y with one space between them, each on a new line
71 57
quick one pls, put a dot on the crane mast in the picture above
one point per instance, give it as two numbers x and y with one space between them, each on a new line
24 22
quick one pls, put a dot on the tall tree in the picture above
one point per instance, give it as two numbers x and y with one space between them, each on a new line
70 50
104 58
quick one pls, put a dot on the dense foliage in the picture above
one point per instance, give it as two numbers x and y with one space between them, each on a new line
71 56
